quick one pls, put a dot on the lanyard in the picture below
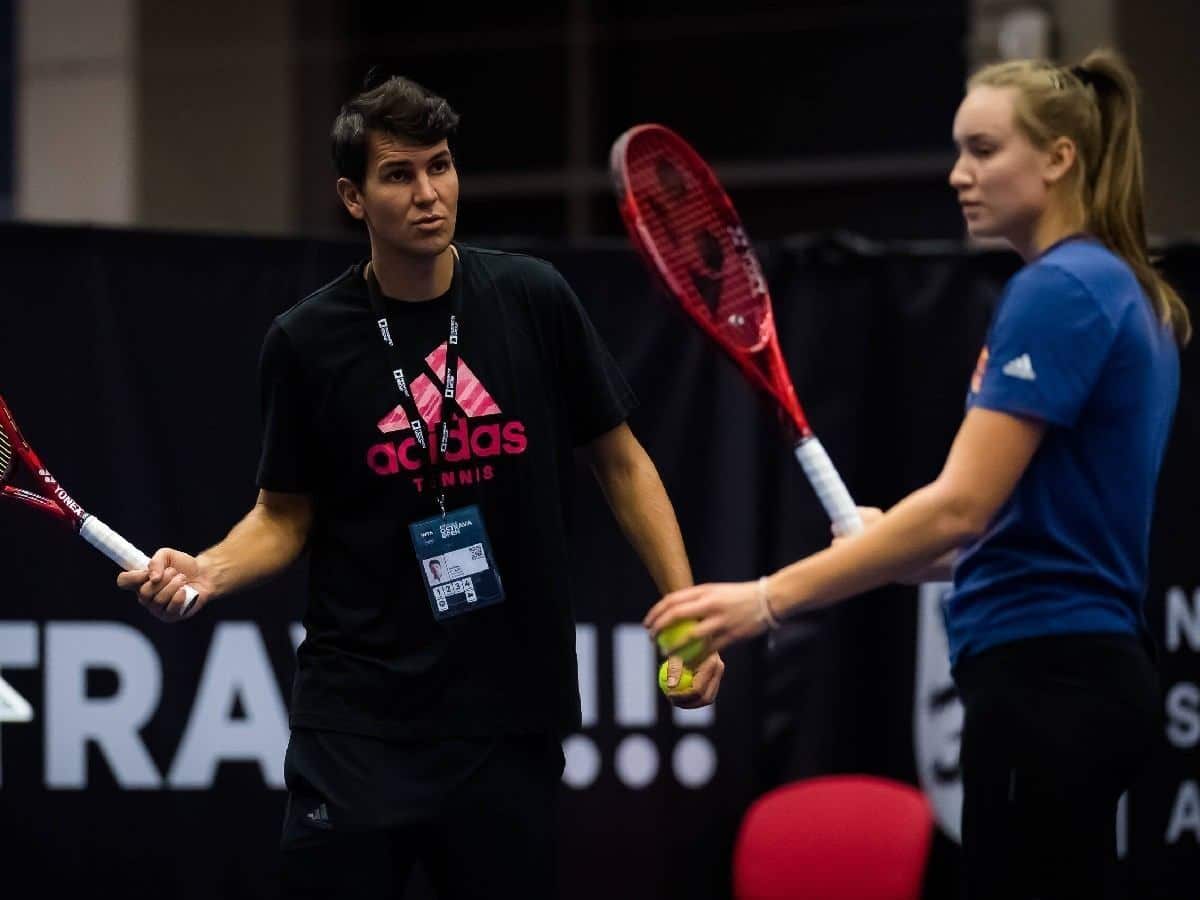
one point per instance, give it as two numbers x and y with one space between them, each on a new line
430 466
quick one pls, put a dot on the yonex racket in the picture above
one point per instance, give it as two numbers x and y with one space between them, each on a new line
686 228
47 495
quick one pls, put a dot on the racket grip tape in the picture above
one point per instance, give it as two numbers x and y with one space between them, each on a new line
828 484
123 553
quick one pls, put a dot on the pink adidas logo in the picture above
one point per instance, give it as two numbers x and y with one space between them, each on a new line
473 444
427 393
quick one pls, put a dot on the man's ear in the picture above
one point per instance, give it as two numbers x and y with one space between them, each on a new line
351 198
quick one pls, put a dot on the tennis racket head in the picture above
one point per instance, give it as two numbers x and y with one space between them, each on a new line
680 217
46 495
686 228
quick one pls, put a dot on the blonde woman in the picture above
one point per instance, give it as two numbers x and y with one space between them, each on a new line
1042 512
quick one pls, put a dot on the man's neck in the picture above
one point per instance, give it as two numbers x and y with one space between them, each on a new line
412 279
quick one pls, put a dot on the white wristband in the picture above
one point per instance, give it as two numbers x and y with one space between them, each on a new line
765 605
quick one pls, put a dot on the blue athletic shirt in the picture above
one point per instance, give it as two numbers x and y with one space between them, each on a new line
1075 344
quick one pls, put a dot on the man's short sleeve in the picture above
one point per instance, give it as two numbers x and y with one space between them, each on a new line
286 461
1046 347
598 397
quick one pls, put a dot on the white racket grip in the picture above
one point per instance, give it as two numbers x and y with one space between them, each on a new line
828 484
123 553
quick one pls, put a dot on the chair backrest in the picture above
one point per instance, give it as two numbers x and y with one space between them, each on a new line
840 837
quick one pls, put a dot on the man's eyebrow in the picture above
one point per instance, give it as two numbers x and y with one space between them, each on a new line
407 162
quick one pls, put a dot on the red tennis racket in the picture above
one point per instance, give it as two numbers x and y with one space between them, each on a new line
686 228
47 495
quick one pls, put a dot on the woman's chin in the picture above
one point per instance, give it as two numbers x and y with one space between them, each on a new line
981 230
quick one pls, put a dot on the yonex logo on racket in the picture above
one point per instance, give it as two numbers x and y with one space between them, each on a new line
398 374
741 243
52 482
671 179
68 502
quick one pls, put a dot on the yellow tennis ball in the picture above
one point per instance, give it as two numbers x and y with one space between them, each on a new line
685 680
677 640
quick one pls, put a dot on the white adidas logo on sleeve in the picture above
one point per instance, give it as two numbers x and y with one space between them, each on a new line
1021 367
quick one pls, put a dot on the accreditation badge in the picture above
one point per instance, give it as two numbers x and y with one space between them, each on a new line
458 568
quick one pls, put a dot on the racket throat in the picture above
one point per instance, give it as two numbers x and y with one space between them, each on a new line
62 498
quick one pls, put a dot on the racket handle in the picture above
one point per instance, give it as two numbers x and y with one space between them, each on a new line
123 553
828 484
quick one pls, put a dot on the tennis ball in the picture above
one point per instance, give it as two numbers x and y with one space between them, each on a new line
676 640
685 680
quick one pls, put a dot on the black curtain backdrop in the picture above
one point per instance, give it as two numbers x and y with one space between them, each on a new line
130 360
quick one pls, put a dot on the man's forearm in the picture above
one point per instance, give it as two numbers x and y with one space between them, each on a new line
262 544
640 503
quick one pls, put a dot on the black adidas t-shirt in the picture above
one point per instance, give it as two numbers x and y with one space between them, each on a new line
534 381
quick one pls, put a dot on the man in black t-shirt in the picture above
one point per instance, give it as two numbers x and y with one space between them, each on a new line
421 413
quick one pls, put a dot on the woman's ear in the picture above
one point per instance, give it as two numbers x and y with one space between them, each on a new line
1060 157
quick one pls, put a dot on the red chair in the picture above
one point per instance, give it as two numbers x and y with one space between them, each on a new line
842 837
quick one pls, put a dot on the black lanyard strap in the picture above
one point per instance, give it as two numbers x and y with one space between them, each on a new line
430 466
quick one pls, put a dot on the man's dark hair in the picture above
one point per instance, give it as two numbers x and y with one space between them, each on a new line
394 105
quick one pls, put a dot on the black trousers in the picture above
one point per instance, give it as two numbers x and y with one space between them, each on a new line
479 815
1055 730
